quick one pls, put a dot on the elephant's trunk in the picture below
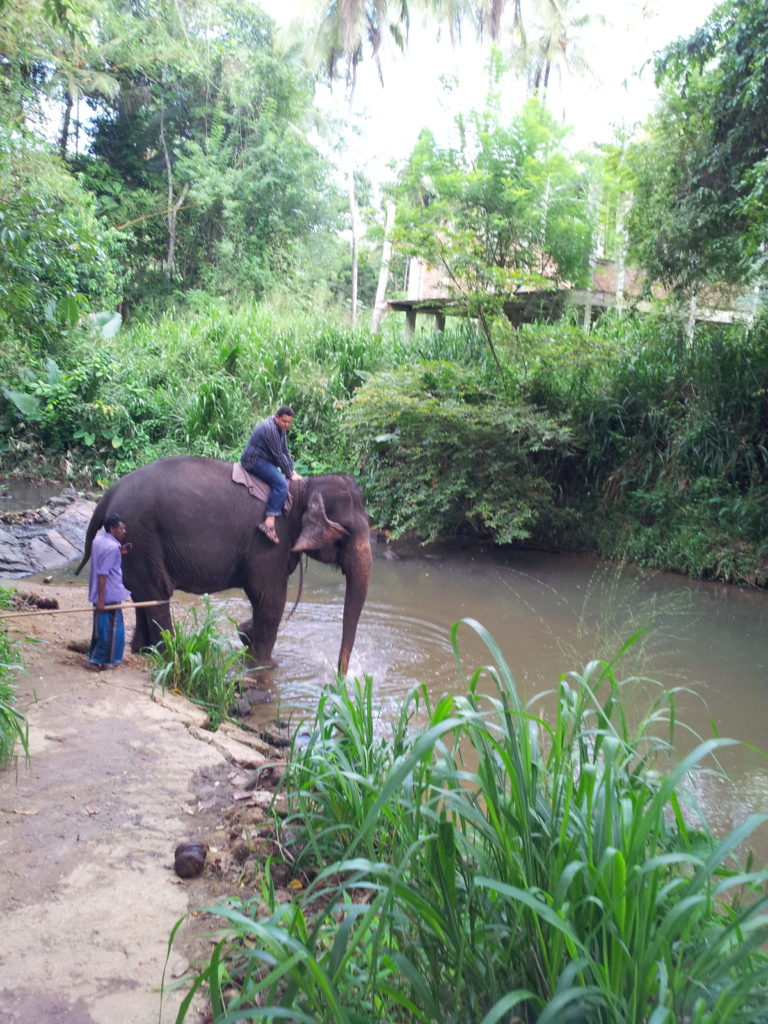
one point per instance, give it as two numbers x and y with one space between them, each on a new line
356 566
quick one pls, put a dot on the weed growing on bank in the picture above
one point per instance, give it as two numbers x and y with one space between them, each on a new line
13 725
194 659
537 862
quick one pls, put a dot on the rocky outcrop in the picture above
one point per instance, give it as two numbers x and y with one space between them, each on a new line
44 538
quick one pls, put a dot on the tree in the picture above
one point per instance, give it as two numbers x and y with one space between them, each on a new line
506 210
701 209
56 260
211 168
546 39
51 56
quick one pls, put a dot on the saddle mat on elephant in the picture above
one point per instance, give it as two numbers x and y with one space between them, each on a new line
257 488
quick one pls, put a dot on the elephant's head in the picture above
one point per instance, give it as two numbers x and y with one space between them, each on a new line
334 530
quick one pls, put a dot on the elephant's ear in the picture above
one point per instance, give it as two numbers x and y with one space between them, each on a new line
317 530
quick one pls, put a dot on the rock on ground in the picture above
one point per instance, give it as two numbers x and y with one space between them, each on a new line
44 538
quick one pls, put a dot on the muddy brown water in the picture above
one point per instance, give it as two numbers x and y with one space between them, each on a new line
549 614
20 495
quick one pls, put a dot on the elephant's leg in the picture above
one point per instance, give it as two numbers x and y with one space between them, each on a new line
149 625
267 612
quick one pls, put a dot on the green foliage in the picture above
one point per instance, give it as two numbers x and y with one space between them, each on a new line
56 261
506 209
13 725
700 207
233 185
195 660
687 410
439 454
673 440
191 383
535 860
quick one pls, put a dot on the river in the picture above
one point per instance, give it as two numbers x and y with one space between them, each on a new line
549 614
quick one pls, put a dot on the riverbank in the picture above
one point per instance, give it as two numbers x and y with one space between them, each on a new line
117 779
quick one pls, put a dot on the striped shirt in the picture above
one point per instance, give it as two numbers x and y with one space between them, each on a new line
267 443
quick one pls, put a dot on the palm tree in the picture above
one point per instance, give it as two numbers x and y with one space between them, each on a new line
77 79
343 30
552 44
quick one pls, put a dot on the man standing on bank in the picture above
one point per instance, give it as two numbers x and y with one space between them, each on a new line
266 456
105 586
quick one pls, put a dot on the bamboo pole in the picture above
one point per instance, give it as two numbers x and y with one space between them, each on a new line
89 608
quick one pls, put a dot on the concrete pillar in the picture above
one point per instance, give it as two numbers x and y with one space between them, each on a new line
440 322
410 322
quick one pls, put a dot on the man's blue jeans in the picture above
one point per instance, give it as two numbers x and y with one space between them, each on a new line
278 485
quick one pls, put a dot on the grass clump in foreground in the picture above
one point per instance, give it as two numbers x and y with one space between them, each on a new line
194 659
504 862
13 725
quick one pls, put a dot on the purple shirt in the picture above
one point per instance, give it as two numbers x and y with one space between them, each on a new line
105 561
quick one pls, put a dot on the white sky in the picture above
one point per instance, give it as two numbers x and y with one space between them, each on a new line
412 98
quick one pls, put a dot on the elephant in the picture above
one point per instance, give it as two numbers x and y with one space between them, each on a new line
192 527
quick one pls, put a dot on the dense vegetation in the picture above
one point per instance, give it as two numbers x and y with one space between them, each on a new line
492 861
174 264
629 440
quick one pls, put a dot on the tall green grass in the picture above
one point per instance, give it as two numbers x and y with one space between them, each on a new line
196 660
13 725
507 861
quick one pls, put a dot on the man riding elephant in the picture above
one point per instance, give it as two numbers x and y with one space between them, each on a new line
266 456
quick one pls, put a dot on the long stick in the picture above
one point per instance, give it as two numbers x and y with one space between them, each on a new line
62 611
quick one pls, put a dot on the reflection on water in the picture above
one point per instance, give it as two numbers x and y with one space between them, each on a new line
549 614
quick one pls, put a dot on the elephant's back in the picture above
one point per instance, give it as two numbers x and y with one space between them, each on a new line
190 524
181 494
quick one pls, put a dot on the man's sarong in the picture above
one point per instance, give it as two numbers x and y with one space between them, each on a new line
108 637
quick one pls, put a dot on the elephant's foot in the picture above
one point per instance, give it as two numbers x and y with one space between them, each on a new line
256 661
259 655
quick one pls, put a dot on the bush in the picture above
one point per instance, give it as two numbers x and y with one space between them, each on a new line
440 454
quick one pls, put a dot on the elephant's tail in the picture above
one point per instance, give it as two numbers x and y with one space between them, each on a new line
94 526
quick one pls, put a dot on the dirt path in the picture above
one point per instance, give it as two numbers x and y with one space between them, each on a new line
88 893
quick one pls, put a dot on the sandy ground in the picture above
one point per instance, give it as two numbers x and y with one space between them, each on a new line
88 891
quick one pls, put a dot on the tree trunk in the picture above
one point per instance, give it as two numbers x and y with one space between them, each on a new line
386 257
65 121
592 202
690 320
623 240
352 198
355 230
174 205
